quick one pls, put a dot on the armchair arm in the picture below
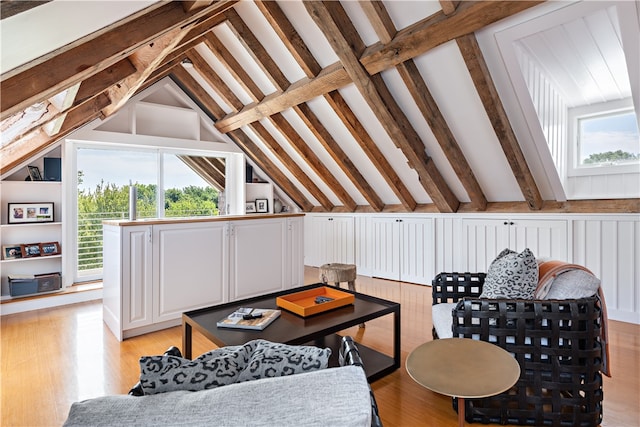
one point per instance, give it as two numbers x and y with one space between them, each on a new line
452 287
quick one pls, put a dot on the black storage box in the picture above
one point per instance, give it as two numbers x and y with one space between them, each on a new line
40 283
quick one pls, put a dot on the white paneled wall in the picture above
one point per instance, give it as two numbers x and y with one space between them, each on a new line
609 245
610 248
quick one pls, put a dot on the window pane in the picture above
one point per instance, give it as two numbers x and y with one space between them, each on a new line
185 192
610 139
103 193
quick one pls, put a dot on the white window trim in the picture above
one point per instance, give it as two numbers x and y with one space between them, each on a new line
574 114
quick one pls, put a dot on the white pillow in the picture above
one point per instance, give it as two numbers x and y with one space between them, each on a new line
443 319
573 284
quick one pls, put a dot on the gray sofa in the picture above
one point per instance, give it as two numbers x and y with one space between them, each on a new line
333 396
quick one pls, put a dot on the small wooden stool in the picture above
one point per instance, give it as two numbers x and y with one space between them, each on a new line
336 273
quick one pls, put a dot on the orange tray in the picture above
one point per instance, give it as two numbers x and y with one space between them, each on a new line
303 303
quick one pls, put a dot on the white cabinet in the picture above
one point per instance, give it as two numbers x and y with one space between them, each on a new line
484 238
190 267
155 272
330 238
398 248
16 234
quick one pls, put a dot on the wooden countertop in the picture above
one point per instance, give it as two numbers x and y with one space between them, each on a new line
186 220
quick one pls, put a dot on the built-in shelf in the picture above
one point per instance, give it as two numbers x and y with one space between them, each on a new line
35 258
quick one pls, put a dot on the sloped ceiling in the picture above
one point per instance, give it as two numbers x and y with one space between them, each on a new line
347 106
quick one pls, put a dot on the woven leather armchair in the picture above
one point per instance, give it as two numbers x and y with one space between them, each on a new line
556 342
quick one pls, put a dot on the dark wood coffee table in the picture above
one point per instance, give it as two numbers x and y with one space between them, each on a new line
290 328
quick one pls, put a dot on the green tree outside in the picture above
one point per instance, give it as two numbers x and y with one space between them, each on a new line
108 201
610 157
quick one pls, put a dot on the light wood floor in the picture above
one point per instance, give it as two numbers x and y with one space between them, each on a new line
51 358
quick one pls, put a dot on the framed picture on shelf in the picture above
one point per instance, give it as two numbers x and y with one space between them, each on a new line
34 173
11 252
262 205
250 207
25 213
50 248
30 250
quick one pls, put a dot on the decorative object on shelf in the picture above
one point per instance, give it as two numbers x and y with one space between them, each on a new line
52 169
50 248
30 250
262 205
133 198
11 252
28 284
34 173
23 213
250 207
277 206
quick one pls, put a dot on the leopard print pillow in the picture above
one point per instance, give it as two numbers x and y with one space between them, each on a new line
511 275
227 365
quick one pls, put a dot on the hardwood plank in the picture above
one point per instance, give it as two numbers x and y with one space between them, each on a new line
312 160
338 155
66 354
342 36
495 110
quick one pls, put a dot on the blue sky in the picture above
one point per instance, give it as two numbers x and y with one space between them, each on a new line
610 133
118 167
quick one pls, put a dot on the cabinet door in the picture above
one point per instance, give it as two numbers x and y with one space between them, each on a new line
190 267
385 249
137 277
295 253
257 257
483 239
417 259
330 239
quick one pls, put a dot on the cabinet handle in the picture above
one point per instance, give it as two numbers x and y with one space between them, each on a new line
508 223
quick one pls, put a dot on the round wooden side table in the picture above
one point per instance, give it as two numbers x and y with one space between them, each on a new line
463 368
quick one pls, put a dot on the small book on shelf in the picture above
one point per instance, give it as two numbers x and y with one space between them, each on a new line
249 318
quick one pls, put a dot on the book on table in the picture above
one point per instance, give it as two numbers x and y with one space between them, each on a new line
249 318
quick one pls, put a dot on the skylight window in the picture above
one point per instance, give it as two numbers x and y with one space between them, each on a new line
608 139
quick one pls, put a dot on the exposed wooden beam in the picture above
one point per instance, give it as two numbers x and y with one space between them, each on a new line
338 155
197 165
364 140
190 5
43 79
470 17
571 206
251 150
289 36
233 66
256 50
315 164
435 30
10 8
384 27
281 154
38 141
493 105
303 90
343 38
216 83
145 59
449 6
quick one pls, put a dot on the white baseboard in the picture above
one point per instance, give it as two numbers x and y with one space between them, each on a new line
55 300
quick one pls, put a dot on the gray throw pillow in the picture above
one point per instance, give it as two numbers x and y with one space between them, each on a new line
159 374
276 360
227 365
511 275
573 284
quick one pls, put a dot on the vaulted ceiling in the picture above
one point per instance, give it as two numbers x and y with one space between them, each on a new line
362 106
